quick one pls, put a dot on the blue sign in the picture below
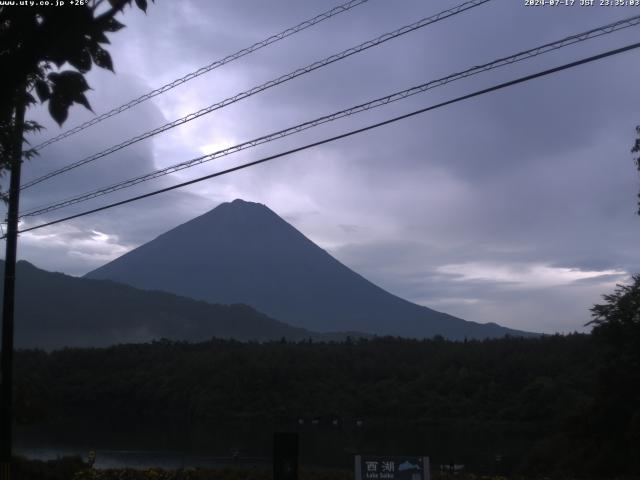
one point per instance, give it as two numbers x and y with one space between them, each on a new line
369 467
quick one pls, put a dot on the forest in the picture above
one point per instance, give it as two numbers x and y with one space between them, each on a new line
554 404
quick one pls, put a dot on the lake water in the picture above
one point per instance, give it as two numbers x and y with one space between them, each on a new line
211 445
141 459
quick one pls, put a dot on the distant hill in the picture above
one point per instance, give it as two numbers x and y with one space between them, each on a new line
242 252
54 310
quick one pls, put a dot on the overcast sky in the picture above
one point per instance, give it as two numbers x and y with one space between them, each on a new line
517 207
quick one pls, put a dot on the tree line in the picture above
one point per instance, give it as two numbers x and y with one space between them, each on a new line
541 394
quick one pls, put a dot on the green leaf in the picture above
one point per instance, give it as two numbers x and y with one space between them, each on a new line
68 87
119 4
42 90
32 126
82 100
68 82
99 36
142 5
29 99
81 60
58 109
101 57
112 25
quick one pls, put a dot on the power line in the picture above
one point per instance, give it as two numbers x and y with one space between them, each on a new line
201 71
523 55
345 135
271 83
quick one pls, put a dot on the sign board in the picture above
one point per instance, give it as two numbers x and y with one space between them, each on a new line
369 467
285 456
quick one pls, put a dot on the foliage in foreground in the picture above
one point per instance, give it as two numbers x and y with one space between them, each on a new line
614 422
161 474
61 469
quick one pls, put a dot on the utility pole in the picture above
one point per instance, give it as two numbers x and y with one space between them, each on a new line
6 394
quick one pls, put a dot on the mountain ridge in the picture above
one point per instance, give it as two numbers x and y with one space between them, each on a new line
78 312
243 252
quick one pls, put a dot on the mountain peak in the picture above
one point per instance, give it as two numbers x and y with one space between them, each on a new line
240 203
239 220
238 208
243 252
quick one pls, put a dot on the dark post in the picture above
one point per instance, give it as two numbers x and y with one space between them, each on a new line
285 456
8 299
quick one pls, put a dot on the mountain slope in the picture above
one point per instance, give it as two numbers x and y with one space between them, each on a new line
242 252
54 310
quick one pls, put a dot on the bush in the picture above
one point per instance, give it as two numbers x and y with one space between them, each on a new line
60 469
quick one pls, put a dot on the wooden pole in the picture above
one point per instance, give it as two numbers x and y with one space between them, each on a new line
6 356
